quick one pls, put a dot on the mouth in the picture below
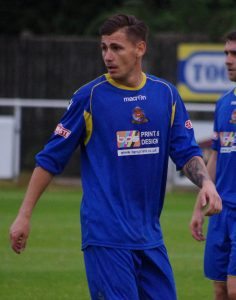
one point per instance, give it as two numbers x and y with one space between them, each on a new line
111 69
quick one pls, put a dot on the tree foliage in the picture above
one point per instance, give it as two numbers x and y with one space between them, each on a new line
75 17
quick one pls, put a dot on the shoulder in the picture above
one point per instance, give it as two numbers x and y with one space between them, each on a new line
226 98
83 94
87 88
161 83
166 88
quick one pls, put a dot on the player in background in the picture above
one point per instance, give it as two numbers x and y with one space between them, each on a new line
127 124
220 250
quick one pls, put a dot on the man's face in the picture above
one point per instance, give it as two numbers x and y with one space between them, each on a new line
230 59
122 56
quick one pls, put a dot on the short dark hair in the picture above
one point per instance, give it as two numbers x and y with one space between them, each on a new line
231 36
135 28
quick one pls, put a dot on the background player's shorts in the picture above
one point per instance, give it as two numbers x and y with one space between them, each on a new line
220 250
121 274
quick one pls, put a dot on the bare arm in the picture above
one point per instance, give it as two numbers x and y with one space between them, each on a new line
20 228
211 165
196 171
208 201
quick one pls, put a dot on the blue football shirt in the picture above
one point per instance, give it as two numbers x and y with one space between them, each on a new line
224 142
126 136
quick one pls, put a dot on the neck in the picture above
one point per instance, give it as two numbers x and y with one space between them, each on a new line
132 82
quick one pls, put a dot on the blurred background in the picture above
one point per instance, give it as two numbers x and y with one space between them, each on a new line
48 49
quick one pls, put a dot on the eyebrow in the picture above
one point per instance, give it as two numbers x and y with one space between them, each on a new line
112 44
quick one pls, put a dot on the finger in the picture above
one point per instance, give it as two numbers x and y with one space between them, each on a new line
18 244
196 231
203 201
198 235
219 204
21 243
212 209
210 212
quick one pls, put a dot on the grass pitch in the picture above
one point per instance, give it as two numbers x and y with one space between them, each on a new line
51 267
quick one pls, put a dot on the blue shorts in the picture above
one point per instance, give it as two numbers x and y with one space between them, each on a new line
220 250
121 274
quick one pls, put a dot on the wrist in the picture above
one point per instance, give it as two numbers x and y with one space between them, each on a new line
207 181
25 213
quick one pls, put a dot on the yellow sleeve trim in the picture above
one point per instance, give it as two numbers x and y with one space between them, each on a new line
173 114
89 126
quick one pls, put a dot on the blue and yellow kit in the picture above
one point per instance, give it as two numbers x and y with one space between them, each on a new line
126 136
224 142
221 237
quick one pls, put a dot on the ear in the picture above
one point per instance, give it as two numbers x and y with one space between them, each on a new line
140 48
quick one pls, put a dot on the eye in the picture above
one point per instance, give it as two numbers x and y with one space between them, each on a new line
103 47
116 47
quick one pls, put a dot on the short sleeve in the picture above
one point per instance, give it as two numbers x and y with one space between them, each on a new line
66 137
183 145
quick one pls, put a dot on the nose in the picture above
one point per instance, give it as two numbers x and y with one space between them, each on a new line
228 59
107 55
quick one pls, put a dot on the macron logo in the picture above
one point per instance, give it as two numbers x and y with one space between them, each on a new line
135 98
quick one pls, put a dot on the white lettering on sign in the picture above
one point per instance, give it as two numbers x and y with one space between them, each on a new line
206 72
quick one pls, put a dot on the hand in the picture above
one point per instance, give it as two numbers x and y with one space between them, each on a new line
209 200
208 203
19 233
196 224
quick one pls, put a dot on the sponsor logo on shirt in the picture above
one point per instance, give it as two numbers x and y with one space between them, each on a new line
227 142
188 124
138 116
233 117
135 98
227 138
128 139
62 131
135 142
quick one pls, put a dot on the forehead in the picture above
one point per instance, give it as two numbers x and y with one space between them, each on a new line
118 37
230 46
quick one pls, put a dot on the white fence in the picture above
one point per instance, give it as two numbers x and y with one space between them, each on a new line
10 146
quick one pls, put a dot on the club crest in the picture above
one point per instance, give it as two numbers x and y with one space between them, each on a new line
138 116
233 117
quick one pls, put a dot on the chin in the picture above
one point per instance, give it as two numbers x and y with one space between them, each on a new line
232 78
115 76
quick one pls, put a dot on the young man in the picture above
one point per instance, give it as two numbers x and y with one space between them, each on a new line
220 251
127 123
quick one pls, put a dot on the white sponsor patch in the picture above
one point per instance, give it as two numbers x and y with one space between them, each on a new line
62 131
188 124
139 151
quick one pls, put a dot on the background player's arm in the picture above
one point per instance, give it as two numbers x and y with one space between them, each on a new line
208 197
211 165
208 200
20 228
